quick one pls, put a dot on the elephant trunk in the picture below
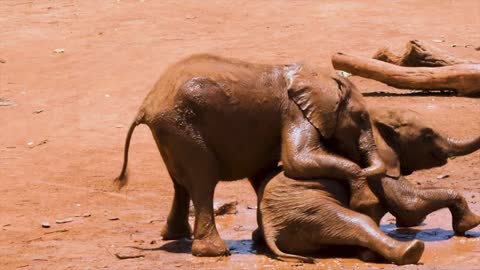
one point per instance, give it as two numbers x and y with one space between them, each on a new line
462 147
368 148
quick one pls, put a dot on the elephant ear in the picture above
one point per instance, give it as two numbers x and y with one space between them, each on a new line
387 140
318 99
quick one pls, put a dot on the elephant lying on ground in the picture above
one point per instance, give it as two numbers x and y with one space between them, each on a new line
407 144
222 119
306 217
316 213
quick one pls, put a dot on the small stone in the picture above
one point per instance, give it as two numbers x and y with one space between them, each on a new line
45 224
86 215
2 61
443 176
344 74
124 254
62 221
37 111
113 218
227 209
107 95
5 103
438 40
153 242
59 50
119 126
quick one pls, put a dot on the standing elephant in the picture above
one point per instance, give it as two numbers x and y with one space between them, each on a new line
316 213
222 119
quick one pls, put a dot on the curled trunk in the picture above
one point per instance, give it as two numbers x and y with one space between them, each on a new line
462 147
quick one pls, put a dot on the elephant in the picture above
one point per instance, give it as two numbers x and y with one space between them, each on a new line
315 216
316 213
407 144
216 118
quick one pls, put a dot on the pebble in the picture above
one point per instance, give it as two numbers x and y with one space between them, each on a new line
443 176
45 224
66 220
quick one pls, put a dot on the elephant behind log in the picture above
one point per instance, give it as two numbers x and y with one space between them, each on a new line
407 144
215 119
316 213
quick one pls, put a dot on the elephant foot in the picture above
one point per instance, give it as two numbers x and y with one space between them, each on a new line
210 248
408 253
412 222
172 232
257 236
467 222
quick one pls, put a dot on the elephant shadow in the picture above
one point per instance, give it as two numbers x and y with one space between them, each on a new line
413 93
247 246
427 235
184 245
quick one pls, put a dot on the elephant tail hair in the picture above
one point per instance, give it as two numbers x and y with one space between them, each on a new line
269 240
122 179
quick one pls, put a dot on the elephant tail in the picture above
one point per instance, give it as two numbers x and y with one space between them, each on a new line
122 179
270 241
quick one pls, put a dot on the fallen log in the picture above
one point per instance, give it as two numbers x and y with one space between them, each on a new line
420 54
464 79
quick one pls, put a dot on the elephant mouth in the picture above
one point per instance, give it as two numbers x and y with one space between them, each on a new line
439 157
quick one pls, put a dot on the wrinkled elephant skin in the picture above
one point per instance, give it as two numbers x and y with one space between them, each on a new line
222 119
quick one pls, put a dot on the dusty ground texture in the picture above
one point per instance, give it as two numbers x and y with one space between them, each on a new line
78 70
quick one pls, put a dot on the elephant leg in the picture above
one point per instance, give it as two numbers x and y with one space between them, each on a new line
413 204
356 229
177 222
430 200
195 172
207 241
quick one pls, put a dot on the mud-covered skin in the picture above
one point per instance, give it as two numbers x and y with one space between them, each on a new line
406 144
221 119
315 215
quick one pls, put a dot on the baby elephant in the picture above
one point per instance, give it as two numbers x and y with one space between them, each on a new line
304 217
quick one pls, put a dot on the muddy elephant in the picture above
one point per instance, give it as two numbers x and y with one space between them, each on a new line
407 144
316 213
215 119
315 216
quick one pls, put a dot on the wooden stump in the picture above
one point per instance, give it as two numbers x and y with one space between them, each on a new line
420 54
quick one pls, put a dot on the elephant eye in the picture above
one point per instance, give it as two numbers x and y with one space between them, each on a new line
427 134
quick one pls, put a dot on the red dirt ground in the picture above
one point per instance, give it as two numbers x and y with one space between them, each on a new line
113 53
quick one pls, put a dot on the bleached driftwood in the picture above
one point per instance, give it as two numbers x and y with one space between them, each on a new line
462 78
420 54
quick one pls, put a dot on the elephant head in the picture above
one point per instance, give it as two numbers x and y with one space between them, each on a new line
337 110
409 144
